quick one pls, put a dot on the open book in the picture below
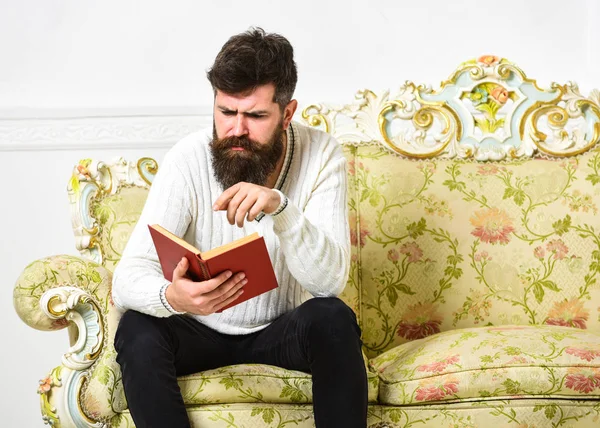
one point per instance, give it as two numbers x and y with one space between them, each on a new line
248 255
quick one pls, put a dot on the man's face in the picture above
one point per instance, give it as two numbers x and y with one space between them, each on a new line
247 136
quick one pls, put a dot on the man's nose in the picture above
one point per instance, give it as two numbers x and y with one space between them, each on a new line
240 127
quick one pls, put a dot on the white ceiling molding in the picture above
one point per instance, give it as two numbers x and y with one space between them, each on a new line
122 128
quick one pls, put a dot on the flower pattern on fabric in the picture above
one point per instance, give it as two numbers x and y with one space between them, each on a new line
568 313
420 320
492 225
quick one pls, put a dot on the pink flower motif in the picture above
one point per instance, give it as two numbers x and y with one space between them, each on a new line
487 169
518 360
568 313
393 255
412 250
426 167
45 385
419 321
432 392
499 94
351 167
558 247
539 252
439 366
481 256
82 170
489 60
492 225
571 162
583 379
364 231
584 353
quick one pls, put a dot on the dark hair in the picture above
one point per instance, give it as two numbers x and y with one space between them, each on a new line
252 59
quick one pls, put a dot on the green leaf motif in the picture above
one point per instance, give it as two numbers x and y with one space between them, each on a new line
403 288
562 226
295 394
538 292
486 359
512 350
231 382
550 285
512 386
268 415
94 276
594 178
116 419
395 415
375 199
455 185
416 229
102 374
550 411
392 296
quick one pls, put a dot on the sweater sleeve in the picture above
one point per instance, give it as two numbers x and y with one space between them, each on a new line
316 240
138 278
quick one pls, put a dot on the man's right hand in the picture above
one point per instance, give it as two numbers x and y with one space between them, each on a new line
206 297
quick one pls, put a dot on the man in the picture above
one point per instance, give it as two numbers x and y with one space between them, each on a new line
255 171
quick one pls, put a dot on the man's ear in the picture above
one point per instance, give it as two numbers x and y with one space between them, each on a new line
288 113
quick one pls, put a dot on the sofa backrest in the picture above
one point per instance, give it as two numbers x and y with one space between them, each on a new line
475 204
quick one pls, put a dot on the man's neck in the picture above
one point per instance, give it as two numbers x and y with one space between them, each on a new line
272 180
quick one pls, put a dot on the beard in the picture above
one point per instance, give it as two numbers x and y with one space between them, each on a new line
253 165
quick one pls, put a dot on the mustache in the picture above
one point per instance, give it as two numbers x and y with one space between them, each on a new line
231 142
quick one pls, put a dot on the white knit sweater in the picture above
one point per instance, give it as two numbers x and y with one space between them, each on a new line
308 242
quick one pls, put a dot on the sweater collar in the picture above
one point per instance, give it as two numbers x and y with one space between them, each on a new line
287 162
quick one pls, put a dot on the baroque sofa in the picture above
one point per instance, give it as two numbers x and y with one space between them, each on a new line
474 276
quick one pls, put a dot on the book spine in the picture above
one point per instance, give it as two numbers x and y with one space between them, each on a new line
205 272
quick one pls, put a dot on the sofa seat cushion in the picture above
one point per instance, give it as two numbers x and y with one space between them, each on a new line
490 363
253 383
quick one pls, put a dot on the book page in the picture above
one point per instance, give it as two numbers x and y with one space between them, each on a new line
224 248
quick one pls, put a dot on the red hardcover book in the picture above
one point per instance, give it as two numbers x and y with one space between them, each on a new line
248 255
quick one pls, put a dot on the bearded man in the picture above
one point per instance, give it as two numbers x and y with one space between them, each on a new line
255 171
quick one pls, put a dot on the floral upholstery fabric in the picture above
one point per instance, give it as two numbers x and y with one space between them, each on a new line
506 413
449 244
56 271
253 383
492 363
475 286
117 215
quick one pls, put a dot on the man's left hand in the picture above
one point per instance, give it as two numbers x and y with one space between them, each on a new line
246 200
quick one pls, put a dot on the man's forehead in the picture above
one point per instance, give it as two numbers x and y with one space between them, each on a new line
260 98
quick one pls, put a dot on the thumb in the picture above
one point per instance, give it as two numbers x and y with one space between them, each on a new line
181 269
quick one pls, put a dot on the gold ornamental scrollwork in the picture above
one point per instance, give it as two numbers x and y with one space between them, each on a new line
557 140
487 110
147 166
422 119
314 117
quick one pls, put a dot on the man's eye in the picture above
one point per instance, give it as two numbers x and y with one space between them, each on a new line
256 116
228 113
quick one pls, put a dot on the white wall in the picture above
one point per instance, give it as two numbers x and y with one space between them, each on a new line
66 58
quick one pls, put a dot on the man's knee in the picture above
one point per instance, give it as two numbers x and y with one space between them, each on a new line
330 316
138 333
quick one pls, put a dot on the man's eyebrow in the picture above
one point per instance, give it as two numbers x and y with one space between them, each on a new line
251 112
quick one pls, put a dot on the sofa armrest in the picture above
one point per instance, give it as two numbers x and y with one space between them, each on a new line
67 291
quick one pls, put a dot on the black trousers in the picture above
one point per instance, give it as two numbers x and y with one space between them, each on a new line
320 337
